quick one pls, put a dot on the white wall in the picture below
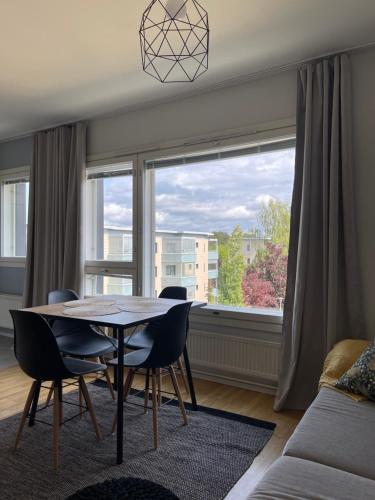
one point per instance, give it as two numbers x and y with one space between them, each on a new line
259 101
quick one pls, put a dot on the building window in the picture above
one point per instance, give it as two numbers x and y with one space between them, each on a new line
156 271
240 220
14 214
115 285
170 270
156 247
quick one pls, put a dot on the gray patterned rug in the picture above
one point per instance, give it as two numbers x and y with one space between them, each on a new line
200 461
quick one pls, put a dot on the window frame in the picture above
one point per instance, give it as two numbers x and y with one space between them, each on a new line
147 209
121 269
5 175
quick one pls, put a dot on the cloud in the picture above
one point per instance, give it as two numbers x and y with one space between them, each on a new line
209 196
264 199
117 215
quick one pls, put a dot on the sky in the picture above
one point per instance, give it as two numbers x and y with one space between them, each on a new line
210 196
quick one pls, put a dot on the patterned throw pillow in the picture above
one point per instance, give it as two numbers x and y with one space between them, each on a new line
360 378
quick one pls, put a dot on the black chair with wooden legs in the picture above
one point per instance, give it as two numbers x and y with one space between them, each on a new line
167 347
38 355
79 339
144 338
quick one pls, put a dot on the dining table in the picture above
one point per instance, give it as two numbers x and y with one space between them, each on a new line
119 313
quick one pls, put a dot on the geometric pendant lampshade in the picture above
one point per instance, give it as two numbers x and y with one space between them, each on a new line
174 36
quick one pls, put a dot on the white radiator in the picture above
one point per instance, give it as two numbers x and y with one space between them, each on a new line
8 302
237 360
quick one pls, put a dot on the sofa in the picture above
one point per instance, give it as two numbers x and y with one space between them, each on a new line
331 454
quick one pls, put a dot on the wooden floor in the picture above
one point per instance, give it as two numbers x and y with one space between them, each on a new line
14 386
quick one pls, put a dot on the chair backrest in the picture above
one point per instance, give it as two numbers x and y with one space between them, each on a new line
173 292
35 347
171 337
62 327
64 295
170 292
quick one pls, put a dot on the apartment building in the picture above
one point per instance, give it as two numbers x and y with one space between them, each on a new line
188 259
250 247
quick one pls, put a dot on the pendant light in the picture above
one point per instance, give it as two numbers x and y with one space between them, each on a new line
174 37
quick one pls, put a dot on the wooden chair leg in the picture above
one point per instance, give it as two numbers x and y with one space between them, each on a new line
56 425
108 378
183 375
26 410
154 410
87 398
147 390
127 387
80 401
59 386
178 394
159 385
34 404
128 383
49 397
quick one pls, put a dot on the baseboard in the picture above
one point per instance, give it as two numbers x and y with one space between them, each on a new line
6 332
252 385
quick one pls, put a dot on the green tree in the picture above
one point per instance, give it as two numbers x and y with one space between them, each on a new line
275 221
231 269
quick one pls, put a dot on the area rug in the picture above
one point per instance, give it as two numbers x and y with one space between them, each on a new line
200 461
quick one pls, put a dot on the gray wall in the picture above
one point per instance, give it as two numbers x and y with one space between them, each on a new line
258 101
16 153
11 280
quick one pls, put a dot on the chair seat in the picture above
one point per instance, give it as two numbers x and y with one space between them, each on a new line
135 359
80 367
87 345
143 339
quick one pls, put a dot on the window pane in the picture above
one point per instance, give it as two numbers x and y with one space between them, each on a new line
14 220
222 228
110 216
96 284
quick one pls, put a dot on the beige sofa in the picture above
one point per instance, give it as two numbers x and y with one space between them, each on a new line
331 454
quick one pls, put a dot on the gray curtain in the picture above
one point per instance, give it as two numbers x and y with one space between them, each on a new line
323 299
54 258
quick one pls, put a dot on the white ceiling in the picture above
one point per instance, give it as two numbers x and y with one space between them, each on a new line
66 60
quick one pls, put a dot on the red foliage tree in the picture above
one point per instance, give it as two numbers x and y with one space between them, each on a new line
264 281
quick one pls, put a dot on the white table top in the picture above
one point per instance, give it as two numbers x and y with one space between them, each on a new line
122 319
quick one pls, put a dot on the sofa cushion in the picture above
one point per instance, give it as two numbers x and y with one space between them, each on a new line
339 360
293 478
360 378
338 432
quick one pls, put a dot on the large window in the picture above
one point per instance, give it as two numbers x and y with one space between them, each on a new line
110 263
221 223
14 213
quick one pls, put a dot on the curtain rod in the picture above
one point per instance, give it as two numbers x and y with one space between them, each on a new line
225 83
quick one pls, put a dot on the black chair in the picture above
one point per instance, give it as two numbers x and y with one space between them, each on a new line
78 339
143 339
167 347
38 355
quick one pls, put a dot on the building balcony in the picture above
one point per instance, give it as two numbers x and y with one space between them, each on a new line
178 281
178 258
213 274
213 255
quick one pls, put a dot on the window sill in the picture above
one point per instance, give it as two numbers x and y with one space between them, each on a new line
12 261
241 313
